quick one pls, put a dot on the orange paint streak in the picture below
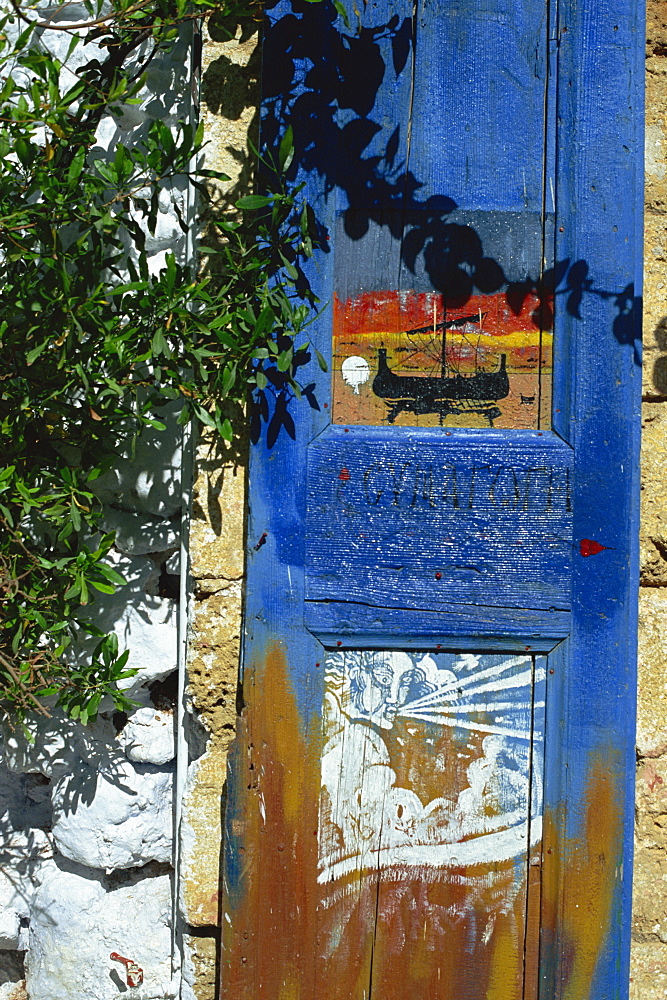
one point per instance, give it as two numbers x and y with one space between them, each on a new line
401 934
578 887
271 939
394 312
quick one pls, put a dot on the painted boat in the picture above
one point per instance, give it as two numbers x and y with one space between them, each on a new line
444 394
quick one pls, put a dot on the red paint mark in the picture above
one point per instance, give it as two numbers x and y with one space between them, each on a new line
133 974
589 547
344 474
347 430
261 542
438 576
652 778
339 643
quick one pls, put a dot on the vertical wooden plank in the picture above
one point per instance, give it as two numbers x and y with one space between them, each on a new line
598 191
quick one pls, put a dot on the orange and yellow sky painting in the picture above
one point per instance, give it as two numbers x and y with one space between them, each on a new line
408 328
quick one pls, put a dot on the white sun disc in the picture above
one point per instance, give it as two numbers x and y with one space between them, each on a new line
355 372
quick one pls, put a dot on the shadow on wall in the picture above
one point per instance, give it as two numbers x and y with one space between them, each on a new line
659 372
230 91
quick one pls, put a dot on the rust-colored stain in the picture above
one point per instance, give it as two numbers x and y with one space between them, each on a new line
269 937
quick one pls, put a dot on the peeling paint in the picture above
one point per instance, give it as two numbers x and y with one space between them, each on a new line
400 931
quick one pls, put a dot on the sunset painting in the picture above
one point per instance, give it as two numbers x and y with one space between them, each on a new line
405 359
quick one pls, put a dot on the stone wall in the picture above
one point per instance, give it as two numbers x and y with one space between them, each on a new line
86 814
230 76
649 949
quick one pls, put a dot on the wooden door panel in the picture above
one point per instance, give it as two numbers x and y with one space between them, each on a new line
430 790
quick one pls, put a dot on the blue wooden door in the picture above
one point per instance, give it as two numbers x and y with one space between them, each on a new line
430 792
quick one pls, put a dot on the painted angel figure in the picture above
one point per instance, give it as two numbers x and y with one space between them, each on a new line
381 683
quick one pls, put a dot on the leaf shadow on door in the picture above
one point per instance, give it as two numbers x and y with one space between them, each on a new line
322 79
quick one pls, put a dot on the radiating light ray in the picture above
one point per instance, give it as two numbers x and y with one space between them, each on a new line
454 687
486 706
454 722
524 679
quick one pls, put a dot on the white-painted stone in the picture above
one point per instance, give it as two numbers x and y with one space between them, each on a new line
22 856
149 631
10 928
112 814
147 477
149 737
137 534
13 991
173 564
111 805
78 921
48 744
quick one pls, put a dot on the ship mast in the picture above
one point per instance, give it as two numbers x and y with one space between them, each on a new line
443 367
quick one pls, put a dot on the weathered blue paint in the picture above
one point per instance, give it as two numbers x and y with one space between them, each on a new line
492 146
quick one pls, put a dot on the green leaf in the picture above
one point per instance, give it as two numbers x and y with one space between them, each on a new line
286 149
76 166
343 13
254 201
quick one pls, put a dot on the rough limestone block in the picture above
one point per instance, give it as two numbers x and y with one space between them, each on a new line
118 817
214 656
656 97
652 689
78 921
217 543
649 919
653 536
149 737
648 971
200 967
655 304
656 28
650 872
201 838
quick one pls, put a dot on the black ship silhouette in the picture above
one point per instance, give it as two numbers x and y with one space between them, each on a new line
451 392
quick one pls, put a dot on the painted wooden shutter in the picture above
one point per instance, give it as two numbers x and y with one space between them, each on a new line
430 793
